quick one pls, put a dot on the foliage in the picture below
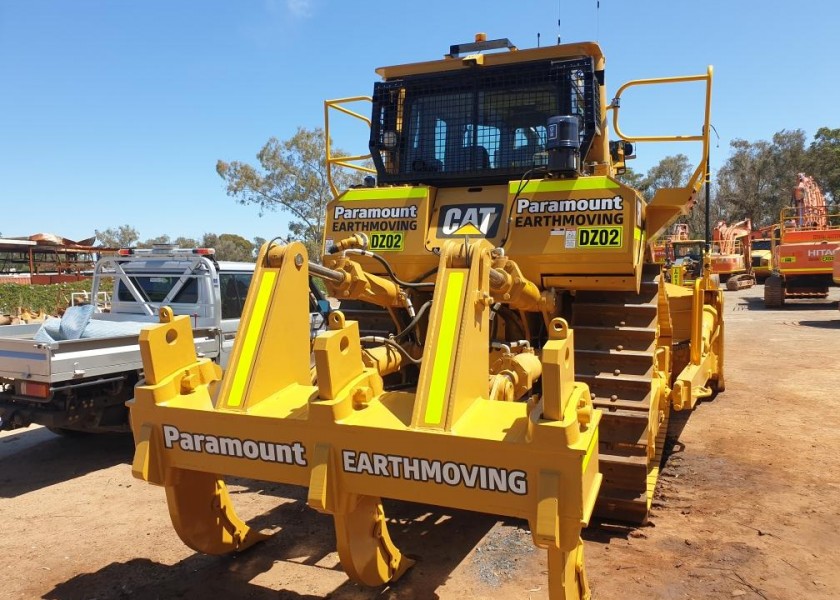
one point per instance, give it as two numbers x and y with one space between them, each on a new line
229 246
124 236
292 178
631 178
757 179
671 172
50 298
824 161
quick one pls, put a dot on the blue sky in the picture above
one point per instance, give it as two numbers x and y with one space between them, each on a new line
116 112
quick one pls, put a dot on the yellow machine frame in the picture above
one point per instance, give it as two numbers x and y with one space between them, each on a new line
456 440
342 437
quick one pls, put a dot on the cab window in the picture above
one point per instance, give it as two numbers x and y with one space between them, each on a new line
234 289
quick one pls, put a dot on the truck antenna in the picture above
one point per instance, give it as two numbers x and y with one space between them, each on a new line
597 20
558 21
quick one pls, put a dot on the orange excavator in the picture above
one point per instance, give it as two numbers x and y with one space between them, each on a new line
803 257
659 248
731 249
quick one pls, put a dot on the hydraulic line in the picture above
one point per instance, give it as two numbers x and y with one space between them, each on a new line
391 275
414 321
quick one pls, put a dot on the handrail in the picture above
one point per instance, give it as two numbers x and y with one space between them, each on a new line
343 161
700 172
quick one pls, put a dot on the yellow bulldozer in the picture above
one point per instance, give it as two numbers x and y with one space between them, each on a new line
501 344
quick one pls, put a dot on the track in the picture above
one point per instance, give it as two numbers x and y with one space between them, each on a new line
615 340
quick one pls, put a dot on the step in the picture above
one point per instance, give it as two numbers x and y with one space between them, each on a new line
614 315
627 473
611 338
610 395
613 362
647 293
621 505
624 427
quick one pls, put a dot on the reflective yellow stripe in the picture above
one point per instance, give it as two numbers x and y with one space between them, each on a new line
443 355
242 368
590 451
795 270
396 194
637 233
565 185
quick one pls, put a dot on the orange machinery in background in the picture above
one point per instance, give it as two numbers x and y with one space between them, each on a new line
761 250
659 249
803 257
731 249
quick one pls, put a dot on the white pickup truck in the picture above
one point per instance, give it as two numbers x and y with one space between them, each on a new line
82 384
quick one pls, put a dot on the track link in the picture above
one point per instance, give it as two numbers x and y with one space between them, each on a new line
615 342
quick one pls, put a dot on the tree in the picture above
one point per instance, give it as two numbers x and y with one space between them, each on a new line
185 242
161 239
824 161
757 178
258 242
292 178
631 178
229 246
123 236
671 172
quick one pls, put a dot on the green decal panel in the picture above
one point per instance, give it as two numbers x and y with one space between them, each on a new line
387 241
600 237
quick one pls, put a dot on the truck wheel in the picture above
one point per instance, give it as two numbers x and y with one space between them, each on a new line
774 292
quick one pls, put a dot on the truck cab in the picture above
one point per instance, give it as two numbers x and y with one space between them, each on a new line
81 382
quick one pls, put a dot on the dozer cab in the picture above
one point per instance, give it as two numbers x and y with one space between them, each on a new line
501 345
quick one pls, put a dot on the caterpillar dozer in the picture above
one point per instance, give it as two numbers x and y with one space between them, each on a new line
501 345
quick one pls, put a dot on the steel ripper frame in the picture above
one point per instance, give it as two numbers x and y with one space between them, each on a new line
351 443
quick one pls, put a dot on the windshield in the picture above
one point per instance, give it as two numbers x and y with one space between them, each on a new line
155 288
761 244
487 122
693 251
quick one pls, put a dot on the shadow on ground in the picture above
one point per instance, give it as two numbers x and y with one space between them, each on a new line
31 459
827 324
438 539
757 303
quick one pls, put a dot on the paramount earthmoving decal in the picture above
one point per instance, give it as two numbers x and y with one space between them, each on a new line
385 219
293 453
569 213
451 473
491 479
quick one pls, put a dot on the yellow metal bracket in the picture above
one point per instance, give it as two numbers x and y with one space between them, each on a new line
669 203
348 161
350 441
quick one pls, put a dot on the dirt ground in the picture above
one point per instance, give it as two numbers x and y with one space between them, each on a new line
748 505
